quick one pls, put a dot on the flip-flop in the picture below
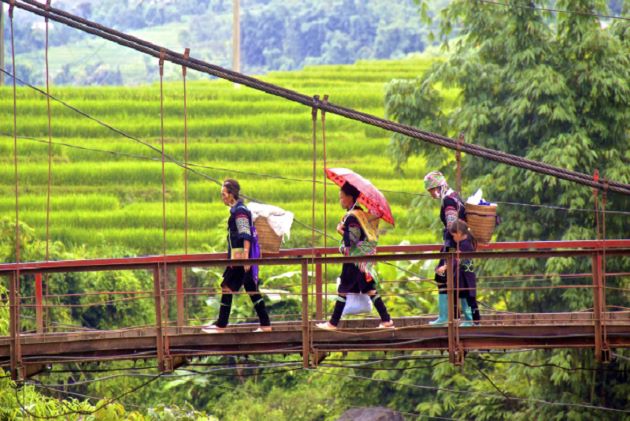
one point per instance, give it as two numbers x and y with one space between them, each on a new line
212 329
262 330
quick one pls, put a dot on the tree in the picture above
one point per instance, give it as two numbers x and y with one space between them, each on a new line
551 87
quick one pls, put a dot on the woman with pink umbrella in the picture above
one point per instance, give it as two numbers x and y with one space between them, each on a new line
358 229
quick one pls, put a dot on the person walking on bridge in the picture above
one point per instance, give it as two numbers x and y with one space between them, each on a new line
242 244
464 271
451 209
359 239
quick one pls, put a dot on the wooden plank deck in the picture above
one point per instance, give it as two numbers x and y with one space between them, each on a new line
497 332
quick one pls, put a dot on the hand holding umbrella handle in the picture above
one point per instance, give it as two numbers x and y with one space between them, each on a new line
340 228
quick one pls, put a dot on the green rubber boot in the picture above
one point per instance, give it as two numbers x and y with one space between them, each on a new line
466 313
443 308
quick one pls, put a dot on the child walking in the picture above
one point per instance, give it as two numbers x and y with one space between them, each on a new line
465 271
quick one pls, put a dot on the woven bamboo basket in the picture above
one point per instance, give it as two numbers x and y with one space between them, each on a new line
481 221
268 240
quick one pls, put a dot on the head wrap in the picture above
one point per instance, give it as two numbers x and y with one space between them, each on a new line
434 179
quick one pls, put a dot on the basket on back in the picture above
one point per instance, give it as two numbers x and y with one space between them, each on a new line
268 240
272 224
481 220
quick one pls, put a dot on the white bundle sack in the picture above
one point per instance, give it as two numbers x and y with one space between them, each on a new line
357 304
279 220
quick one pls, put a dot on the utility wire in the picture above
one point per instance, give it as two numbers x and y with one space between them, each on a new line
84 412
545 365
284 178
484 394
213 371
549 9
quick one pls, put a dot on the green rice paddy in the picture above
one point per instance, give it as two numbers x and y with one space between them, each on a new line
107 189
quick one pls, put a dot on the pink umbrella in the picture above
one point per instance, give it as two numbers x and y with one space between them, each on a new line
370 196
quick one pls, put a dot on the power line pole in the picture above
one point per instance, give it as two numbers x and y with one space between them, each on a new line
236 36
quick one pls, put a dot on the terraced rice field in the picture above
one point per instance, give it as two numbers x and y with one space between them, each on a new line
107 188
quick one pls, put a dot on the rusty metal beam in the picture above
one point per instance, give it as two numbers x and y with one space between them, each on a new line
290 257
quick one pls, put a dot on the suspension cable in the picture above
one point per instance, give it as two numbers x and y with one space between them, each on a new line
154 50
15 145
186 54
49 188
324 158
161 67
314 180
163 283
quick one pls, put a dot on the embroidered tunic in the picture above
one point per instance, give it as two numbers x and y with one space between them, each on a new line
452 209
239 227
352 278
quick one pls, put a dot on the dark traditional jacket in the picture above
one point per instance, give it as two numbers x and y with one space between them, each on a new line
352 234
466 274
239 226
451 202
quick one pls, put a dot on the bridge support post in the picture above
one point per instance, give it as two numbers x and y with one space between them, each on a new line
159 332
455 354
39 307
17 370
181 320
306 337
319 313
602 353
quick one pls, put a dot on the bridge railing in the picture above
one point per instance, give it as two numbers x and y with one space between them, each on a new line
159 266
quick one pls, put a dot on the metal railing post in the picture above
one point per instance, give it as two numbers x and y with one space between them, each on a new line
159 332
305 320
14 326
601 349
451 309
455 353
319 308
597 309
39 307
181 319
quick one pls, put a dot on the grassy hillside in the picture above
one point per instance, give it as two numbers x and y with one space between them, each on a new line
114 196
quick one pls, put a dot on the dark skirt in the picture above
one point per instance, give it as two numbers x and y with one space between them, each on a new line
353 280
467 284
467 281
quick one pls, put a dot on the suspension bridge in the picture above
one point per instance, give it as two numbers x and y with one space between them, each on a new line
172 338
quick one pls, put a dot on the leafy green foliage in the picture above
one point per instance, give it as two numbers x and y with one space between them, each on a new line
551 87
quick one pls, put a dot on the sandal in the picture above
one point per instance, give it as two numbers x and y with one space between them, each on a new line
212 328
263 329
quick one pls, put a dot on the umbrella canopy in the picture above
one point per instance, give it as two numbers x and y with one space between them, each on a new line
370 196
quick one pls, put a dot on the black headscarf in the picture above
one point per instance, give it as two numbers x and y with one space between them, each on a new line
350 190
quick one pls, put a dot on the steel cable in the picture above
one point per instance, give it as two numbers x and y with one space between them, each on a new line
154 50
